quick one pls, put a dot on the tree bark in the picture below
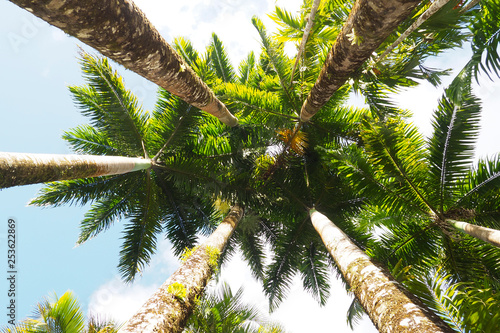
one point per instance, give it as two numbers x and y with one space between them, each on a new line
165 312
305 36
433 8
491 236
391 308
23 169
368 25
119 30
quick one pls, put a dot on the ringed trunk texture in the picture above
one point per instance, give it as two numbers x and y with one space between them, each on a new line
391 308
368 25
23 169
165 312
120 30
491 236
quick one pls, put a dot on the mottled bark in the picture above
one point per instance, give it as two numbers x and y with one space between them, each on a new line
390 307
165 312
307 31
23 169
433 8
119 30
491 236
368 25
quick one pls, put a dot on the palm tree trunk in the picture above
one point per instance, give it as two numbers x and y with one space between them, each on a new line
491 236
170 306
305 36
368 25
119 30
23 169
433 8
390 307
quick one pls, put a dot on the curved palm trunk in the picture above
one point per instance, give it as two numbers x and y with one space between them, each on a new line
491 236
305 36
433 8
119 30
165 312
390 307
23 169
368 25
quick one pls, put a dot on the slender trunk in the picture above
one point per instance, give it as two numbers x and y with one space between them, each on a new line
491 236
170 306
119 30
470 5
390 307
433 8
23 169
307 31
368 25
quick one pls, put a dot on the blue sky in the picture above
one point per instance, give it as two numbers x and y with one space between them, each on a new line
38 63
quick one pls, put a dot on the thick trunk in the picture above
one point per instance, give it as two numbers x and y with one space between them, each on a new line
390 307
23 169
368 25
491 236
119 30
433 8
167 312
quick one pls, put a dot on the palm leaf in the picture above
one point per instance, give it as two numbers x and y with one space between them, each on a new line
315 271
82 191
139 236
486 32
451 146
112 109
220 60
86 139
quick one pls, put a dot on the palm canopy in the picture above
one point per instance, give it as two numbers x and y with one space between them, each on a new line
419 185
151 201
63 315
223 311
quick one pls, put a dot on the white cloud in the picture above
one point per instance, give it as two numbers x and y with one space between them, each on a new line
117 301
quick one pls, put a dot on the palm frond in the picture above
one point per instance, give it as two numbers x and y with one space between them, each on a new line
220 60
486 32
315 271
171 126
247 68
451 147
398 149
479 193
112 109
81 191
140 233
355 313
85 139
103 214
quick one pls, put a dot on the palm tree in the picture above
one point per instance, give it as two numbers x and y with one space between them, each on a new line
160 198
61 315
224 312
120 31
171 305
399 311
368 25
422 189
22 169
